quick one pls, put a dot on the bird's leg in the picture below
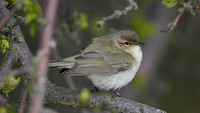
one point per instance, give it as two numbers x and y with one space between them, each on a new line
116 93
96 89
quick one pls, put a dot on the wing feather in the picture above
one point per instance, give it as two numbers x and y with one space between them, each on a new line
99 62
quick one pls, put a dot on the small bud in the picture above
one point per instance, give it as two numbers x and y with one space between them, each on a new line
99 24
84 96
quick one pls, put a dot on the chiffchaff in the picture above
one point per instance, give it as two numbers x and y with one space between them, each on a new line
110 61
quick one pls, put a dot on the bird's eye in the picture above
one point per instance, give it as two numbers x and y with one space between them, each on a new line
126 43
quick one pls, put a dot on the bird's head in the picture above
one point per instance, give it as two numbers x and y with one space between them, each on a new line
127 40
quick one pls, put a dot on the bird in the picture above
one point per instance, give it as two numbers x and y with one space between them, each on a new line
110 61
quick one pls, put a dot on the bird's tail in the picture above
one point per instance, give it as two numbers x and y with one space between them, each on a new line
62 63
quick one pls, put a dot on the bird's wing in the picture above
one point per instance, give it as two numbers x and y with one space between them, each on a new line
97 62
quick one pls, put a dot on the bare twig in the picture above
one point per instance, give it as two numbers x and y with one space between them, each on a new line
70 82
133 4
39 82
118 13
181 10
176 20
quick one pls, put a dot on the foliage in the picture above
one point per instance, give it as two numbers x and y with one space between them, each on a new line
10 3
84 96
143 27
32 10
170 3
7 2
80 21
4 43
3 110
73 26
140 83
94 29
10 84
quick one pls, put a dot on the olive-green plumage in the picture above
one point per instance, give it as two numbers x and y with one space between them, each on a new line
106 55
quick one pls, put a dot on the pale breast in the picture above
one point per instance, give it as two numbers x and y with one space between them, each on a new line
120 79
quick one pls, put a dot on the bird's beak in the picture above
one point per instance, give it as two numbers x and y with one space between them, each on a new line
140 43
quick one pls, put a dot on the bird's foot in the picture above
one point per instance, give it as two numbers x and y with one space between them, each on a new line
116 93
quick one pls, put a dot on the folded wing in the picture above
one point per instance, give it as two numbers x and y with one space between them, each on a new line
99 62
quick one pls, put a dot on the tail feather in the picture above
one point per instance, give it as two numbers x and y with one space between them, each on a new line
61 63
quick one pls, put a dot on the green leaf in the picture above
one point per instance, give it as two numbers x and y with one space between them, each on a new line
170 3
4 44
31 18
80 21
99 23
33 28
143 26
83 22
3 110
11 84
32 10
10 2
140 83
84 96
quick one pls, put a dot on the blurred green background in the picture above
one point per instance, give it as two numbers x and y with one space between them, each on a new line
169 76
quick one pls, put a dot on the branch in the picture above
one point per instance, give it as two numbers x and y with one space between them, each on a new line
21 107
180 11
7 18
63 96
19 52
6 65
38 84
118 13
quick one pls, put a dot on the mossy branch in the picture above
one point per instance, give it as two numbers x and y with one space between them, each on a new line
115 104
